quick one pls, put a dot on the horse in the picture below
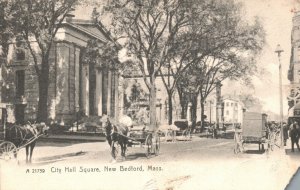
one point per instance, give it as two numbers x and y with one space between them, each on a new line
115 134
21 135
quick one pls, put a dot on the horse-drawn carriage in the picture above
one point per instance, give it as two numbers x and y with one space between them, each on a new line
7 148
145 138
180 130
184 132
252 131
122 135
14 137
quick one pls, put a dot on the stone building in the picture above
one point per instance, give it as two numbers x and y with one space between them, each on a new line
74 86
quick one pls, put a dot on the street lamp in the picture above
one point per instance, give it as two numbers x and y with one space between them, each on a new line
279 50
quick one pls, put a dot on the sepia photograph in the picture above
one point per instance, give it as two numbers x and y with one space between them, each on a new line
149 94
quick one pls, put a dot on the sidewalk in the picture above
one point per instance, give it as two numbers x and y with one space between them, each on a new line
73 138
293 157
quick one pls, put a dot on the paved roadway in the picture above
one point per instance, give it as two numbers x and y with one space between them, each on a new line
202 163
198 149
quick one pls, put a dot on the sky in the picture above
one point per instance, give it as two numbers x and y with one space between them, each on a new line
276 16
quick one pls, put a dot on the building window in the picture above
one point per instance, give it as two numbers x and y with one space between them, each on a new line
231 104
227 103
235 104
227 112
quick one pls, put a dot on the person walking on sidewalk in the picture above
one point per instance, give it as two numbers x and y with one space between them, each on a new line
294 137
285 133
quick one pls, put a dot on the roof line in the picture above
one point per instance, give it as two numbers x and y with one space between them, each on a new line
98 24
85 31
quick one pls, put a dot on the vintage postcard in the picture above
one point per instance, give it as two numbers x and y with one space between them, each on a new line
149 94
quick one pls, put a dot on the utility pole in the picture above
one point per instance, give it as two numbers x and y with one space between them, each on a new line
279 50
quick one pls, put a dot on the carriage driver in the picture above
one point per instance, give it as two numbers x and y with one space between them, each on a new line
124 125
127 123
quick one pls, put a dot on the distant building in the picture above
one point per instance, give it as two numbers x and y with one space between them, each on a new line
232 110
73 85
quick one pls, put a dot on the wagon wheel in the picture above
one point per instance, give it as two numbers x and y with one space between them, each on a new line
156 144
148 145
236 149
7 150
239 143
187 134
170 136
271 142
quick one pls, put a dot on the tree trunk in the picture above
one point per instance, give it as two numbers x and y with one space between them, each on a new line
43 79
184 108
152 103
202 115
170 111
194 112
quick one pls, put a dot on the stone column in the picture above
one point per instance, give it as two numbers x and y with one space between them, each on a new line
120 105
77 58
116 95
85 89
109 87
99 91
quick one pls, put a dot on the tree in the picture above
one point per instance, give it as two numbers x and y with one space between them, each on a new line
6 33
232 45
249 101
39 21
149 28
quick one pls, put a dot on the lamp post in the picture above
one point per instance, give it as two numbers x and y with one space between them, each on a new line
279 50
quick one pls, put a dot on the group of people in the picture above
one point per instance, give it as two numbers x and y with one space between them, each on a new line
292 131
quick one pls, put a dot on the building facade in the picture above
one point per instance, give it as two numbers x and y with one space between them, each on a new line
74 86
232 111
294 68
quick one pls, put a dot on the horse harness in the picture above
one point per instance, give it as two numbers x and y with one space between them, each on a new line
31 134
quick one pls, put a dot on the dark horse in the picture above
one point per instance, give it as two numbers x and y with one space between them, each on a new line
115 134
21 135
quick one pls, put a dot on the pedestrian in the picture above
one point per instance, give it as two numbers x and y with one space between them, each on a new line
215 131
294 137
285 133
298 132
292 124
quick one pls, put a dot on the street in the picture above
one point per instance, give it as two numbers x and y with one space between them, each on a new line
203 162
199 149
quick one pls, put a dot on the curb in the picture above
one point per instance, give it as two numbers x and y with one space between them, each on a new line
72 138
